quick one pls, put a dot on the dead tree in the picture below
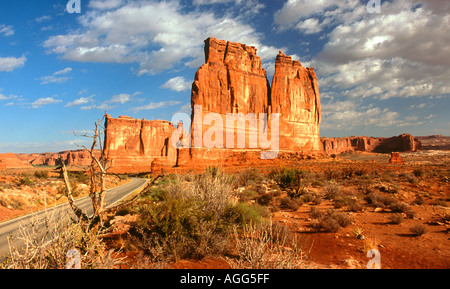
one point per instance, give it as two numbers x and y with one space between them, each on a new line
98 171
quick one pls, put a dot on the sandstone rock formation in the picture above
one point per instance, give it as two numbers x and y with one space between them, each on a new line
71 158
131 145
11 161
401 143
396 158
295 96
233 82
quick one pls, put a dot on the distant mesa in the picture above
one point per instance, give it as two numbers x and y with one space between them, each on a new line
280 120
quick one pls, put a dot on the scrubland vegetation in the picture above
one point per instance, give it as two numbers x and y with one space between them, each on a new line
231 217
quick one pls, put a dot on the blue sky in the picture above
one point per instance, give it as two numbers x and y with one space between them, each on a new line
380 74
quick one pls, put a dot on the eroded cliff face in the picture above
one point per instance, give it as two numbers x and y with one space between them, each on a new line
295 96
74 157
401 143
232 81
132 145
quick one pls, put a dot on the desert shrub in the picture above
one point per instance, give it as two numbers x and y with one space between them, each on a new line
439 203
17 204
418 230
265 199
268 247
80 177
330 221
418 172
248 213
25 181
399 207
291 180
316 213
419 200
378 200
291 204
248 195
193 219
330 174
354 205
41 174
249 176
396 218
331 190
46 247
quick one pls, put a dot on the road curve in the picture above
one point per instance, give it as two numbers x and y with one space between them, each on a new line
113 196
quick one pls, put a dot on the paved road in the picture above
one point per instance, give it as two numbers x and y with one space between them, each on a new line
113 196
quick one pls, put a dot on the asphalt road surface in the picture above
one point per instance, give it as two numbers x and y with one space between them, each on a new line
113 196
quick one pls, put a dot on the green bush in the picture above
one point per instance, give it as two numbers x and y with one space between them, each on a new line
193 219
41 174
291 180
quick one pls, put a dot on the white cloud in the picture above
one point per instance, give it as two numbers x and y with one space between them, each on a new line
11 63
155 105
156 35
6 30
177 84
108 104
43 18
401 52
123 98
309 26
104 4
57 77
63 71
80 101
44 101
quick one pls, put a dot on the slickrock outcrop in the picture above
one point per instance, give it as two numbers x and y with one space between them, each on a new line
401 143
132 145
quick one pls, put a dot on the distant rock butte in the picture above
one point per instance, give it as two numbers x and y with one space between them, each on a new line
396 158
132 145
401 143
10 160
73 157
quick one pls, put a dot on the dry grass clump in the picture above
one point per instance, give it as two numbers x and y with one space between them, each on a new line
418 230
328 221
268 247
46 246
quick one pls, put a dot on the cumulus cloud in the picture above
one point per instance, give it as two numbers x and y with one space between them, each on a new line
104 4
57 77
110 103
44 101
156 35
11 63
6 30
400 52
80 101
177 84
155 105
